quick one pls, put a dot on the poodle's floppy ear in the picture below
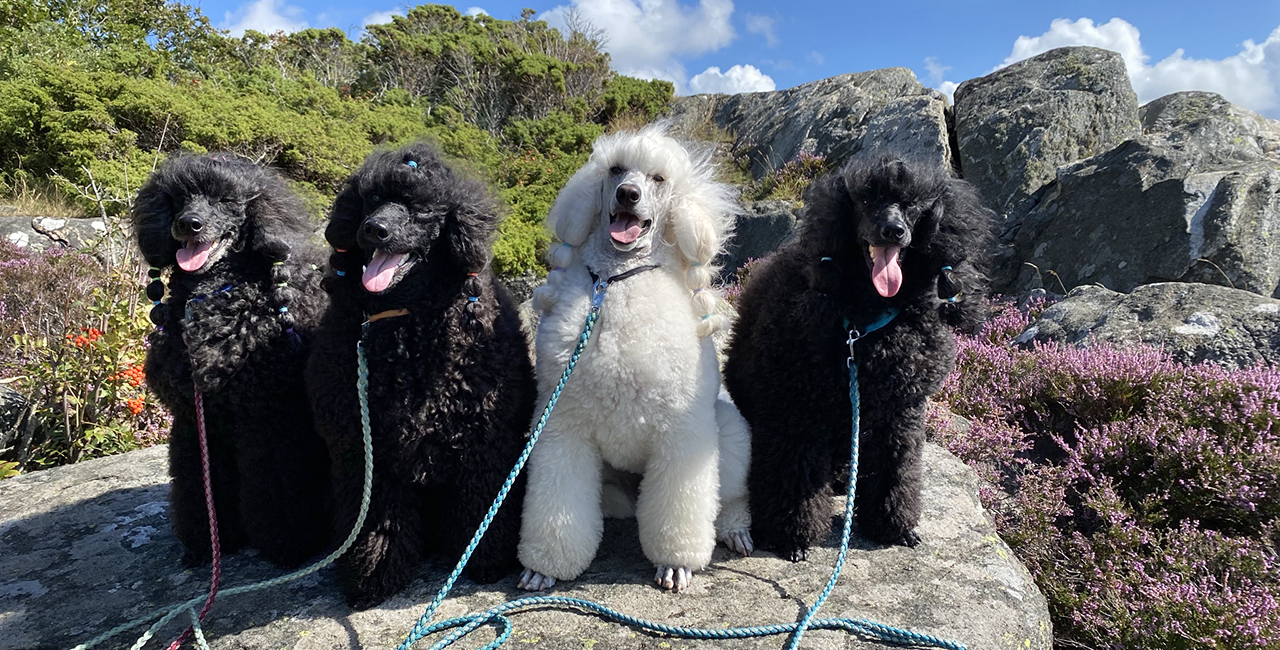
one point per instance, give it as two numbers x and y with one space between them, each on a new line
345 217
829 213
702 221
470 229
152 220
277 220
577 207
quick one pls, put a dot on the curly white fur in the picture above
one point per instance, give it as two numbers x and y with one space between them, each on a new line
645 396
698 209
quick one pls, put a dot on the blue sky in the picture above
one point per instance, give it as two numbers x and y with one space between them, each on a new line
1231 47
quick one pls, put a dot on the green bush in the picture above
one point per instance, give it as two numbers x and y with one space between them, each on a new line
94 92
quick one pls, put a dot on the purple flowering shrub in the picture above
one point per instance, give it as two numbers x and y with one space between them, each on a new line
733 290
1142 494
72 336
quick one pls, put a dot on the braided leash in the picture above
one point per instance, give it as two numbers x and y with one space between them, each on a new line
214 544
169 613
497 615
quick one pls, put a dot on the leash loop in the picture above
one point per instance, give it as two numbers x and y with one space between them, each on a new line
169 613
497 615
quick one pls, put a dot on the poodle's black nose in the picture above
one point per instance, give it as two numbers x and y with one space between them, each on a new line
628 194
189 224
894 232
375 230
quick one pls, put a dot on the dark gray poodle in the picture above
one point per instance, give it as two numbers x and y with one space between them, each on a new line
878 235
243 296
451 385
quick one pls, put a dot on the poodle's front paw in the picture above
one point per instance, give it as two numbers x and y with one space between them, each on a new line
738 541
674 578
531 580
797 555
909 539
192 558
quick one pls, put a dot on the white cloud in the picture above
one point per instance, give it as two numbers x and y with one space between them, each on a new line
266 16
738 79
1250 78
476 11
817 57
380 17
948 88
647 37
935 70
762 25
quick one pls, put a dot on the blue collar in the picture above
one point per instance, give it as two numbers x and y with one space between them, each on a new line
885 318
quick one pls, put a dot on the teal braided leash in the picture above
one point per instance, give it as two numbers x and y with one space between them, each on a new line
362 390
497 615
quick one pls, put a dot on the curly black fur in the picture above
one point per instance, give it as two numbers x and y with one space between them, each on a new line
236 327
786 361
451 384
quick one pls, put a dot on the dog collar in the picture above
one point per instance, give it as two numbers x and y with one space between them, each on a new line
390 313
621 276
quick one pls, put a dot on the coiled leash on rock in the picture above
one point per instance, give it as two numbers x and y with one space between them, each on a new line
466 624
362 390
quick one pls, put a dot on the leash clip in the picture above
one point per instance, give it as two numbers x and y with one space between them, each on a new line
854 337
597 297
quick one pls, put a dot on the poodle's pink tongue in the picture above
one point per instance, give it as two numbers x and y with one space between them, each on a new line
382 270
193 256
625 228
886 274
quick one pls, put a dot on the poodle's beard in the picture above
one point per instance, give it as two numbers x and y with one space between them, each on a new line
386 270
197 257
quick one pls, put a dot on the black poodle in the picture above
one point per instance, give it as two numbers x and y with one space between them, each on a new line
243 296
878 236
451 384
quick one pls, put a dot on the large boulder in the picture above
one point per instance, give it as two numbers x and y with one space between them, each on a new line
860 113
1194 322
1016 126
39 233
758 231
86 547
1195 198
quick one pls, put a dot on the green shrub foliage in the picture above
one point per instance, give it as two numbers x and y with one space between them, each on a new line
93 93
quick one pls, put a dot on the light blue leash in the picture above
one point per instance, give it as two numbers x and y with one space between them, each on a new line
467 624
362 391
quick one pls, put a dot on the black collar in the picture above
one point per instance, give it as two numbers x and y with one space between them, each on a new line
621 276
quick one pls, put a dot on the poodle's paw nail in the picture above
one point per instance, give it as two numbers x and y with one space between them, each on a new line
910 539
674 578
739 541
531 580
798 555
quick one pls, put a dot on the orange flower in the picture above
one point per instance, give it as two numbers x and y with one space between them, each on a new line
136 405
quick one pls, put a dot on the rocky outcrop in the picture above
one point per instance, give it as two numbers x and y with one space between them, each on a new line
837 118
40 233
760 229
1015 126
1194 322
86 547
1195 198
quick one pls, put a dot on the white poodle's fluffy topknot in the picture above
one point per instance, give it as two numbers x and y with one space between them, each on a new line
698 225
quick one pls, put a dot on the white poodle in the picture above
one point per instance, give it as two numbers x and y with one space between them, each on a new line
645 395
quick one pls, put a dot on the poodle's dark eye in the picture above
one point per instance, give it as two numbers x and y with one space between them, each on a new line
374 198
615 170
659 178
229 199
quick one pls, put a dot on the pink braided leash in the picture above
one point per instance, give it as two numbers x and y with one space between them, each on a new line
213 521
